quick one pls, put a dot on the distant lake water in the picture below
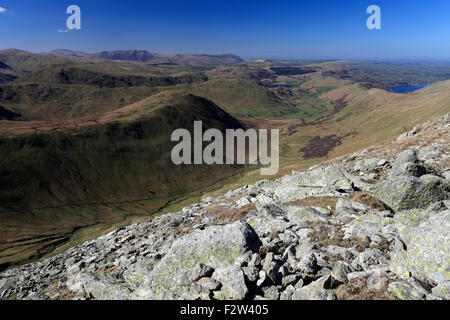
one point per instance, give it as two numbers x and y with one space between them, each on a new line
405 89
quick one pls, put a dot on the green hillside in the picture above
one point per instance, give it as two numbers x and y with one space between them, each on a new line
124 159
69 91
243 98
26 62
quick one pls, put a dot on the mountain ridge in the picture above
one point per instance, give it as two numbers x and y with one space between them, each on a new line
333 232
99 171
150 57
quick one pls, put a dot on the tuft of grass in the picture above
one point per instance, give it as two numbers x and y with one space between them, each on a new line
357 289
368 199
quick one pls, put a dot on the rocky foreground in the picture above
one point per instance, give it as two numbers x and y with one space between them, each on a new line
375 225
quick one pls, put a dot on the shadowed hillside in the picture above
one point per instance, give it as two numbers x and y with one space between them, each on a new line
125 157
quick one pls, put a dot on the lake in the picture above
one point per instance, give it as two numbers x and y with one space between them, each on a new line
405 89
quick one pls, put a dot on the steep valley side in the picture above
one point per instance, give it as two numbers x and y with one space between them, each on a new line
53 183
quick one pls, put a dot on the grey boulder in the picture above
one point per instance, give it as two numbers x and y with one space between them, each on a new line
223 248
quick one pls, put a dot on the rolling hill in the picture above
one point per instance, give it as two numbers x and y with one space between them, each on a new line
156 58
26 62
72 53
53 182
63 92
183 59
15 63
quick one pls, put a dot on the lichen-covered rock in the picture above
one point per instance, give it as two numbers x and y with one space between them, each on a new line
340 271
405 157
346 209
427 237
270 218
331 177
298 215
352 205
233 283
316 290
428 153
209 283
439 206
329 180
405 192
372 226
369 164
401 290
75 284
219 247
442 290
407 163
271 293
446 174
139 272
411 169
307 264
347 254
100 287
7 283
369 258
36 296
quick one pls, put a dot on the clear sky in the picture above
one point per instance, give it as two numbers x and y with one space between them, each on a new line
411 29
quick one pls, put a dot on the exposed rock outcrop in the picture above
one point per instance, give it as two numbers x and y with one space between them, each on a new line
376 226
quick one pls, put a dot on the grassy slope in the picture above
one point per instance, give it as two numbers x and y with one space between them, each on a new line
26 62
69 91
373 116
60 102
96 173
243 98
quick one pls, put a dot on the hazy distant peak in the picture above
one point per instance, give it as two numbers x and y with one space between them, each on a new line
158 58
72 53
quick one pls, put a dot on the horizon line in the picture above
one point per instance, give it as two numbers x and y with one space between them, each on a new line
275 58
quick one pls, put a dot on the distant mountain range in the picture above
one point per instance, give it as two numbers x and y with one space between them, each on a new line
72 53
155 58
15 63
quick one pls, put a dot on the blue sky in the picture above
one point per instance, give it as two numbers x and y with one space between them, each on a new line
413 29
